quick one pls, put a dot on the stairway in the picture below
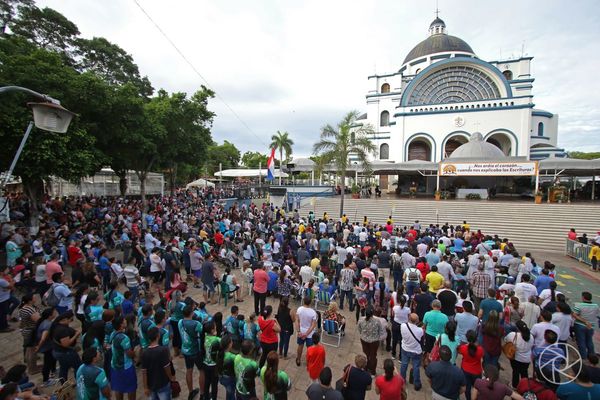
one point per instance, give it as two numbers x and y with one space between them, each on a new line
531 227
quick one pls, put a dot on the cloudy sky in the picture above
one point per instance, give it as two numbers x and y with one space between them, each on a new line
296 65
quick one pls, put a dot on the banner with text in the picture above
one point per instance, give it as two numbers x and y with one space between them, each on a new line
528 168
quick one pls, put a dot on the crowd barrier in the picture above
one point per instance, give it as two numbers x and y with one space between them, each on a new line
578 251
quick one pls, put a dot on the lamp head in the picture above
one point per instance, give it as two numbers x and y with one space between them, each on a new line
51 117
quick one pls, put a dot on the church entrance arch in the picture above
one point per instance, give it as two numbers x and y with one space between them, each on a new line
452 142
419 149
502 141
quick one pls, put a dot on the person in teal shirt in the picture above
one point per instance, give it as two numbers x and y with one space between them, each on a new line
191 338
94 337
92 310
175 307
91 381
435 324
145 323
113 297
163 328
122 370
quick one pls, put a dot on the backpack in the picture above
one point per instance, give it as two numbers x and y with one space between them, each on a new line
396 263
532 394
50 299
413 274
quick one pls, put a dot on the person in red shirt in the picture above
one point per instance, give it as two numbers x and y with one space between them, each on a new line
269 336
315 358
390 386
472 354
74 253
423 267
219 238
572 234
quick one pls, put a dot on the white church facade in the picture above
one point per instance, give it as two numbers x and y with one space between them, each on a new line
443 93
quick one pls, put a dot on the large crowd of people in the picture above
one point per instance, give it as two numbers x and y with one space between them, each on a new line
443 303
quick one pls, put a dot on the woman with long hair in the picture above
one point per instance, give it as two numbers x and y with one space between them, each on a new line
523 342
390 385
285 318
269 338
212 346
490 388
472 355
29 315
44 344
450 338
370 331
94 337
284 285
276 382
492 334
512 314
399 316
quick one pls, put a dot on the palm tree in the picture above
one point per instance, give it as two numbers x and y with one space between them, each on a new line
282 142
337 144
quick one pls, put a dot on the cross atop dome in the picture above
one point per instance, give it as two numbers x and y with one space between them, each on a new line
438 26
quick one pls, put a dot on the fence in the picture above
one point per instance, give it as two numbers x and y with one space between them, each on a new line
579 251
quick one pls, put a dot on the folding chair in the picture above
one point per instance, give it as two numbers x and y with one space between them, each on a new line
331 329
324 298
224 292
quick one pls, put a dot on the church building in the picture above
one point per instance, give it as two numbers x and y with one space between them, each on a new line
443 93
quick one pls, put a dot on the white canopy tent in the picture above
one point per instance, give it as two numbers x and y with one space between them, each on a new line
199 183
247 173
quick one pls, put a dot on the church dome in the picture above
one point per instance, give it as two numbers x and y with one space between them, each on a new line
477 148
438 42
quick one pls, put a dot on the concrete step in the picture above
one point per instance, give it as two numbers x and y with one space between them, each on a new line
530 226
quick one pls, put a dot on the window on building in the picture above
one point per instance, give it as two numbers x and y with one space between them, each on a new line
352 137
384 120
384 151
508 75
541 129
385 88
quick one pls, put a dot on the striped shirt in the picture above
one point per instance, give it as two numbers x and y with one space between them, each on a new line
587 311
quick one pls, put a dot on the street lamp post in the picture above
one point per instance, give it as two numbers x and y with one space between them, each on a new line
48 115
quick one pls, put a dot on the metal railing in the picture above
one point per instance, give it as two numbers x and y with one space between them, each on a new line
578 251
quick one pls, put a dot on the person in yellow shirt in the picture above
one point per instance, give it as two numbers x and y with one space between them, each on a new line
434 280
390 220
301 228
466 227
595 256
344 219
314 263
325 216
365 221
203 234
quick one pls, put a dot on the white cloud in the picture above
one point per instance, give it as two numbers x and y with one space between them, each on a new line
298 65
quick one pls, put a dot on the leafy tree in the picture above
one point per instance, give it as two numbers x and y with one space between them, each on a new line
8 11
337 143
282 142
70 156
47 28
254 159
110 62
226 154
584 155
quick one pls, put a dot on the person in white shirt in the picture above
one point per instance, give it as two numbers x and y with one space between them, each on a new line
306 323
133 280
524 289
362 237
150 242
537 331
531 312
306 274
445 269
523 343
422 249
548 295
411 348
399 316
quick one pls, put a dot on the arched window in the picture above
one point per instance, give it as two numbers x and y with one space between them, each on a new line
384 119
508 75
385 88
541 129
384 151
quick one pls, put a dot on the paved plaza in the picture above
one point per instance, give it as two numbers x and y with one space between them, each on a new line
572 278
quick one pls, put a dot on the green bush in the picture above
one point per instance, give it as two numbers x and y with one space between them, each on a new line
473 196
